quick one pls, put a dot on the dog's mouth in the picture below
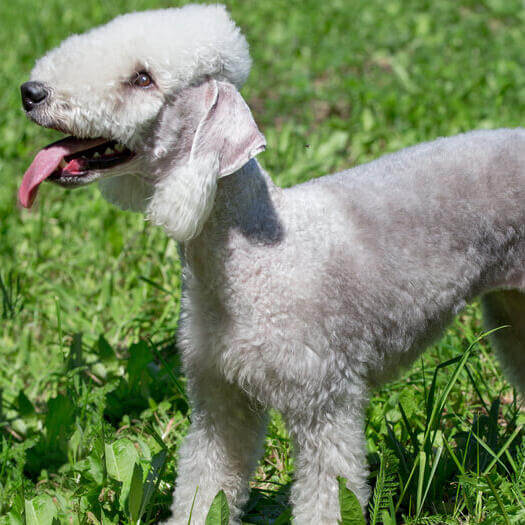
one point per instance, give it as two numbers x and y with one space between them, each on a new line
71 162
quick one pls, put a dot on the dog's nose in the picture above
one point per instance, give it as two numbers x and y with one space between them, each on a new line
33 93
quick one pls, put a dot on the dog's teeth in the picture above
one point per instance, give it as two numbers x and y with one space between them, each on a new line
62 164
119 148
108 151
96 155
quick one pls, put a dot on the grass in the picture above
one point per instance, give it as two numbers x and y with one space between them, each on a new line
91 395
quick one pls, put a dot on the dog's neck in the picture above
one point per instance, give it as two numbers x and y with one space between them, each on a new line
246 202
246 206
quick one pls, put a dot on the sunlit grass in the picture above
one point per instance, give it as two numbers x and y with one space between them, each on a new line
89 294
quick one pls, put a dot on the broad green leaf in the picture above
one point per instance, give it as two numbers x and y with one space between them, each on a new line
136 491
121 456
351 513
40 510
60 418
219 513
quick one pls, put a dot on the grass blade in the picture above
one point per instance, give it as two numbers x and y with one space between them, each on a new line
430 478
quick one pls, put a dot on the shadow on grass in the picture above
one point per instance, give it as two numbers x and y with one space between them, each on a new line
268 507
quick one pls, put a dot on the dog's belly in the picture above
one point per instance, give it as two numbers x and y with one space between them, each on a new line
337 318
325 324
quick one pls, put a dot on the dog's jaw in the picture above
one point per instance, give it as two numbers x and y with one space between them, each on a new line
72 162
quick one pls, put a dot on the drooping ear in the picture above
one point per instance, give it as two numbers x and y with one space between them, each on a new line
228 129
225 138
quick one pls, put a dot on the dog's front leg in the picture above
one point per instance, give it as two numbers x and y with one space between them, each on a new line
326 446
220 451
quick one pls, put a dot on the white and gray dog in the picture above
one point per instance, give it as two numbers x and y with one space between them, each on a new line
301 299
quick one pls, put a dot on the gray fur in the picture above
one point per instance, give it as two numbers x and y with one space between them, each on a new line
302 299
305 299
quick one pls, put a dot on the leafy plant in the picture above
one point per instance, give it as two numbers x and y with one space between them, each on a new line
351 513
381 504
219 513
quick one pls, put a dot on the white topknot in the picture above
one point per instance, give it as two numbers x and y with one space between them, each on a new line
183 45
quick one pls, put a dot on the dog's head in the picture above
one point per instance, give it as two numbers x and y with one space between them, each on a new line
151 105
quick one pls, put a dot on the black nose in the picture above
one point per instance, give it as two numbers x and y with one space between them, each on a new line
33 93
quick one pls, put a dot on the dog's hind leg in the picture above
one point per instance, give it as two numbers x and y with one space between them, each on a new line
508 308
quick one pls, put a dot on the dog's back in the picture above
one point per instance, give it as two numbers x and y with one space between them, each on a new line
408 240
378 258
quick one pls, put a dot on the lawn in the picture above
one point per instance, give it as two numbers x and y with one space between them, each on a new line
92 403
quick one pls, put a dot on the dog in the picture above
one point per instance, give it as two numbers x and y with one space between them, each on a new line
301 299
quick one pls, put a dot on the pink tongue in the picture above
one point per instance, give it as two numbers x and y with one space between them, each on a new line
46 162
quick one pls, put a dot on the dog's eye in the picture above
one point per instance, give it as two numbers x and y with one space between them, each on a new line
142 79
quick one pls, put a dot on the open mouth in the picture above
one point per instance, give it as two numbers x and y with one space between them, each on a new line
71 162
107 155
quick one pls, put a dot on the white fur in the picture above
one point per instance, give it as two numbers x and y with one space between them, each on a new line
183 218
87 73
301 299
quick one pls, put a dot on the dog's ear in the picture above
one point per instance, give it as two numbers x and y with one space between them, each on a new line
227 130
212 134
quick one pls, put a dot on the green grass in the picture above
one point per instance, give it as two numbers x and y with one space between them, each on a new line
90 382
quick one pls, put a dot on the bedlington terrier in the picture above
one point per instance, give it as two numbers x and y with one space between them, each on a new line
301 299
